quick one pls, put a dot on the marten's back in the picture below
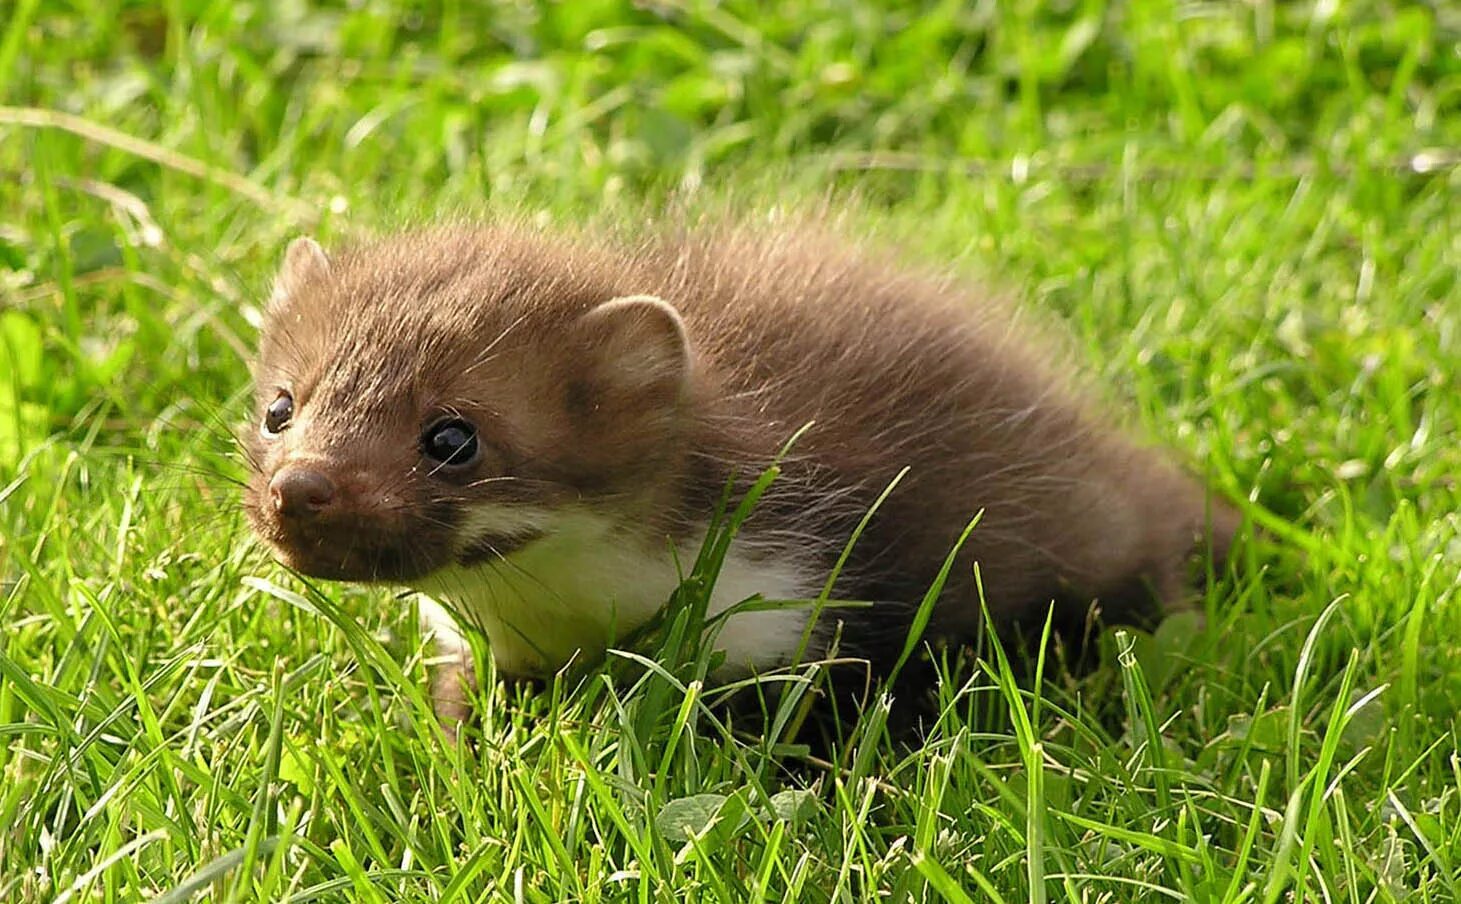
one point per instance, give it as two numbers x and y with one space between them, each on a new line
898 369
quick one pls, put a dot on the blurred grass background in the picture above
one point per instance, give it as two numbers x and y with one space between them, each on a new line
1247 212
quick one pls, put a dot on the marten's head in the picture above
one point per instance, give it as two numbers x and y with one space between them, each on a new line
447 397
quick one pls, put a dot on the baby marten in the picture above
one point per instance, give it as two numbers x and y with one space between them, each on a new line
534 429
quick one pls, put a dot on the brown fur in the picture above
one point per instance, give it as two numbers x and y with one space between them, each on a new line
893 369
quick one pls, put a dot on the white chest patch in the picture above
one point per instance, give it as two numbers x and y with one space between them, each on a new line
584 585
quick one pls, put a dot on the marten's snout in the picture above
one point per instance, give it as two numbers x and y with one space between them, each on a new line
301 493
343 521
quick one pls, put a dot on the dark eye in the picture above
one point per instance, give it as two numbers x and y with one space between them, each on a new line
451 442
277 415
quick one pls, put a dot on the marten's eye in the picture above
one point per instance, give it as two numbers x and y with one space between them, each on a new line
452 442
277 415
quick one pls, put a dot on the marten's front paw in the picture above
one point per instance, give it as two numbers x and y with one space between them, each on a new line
453 685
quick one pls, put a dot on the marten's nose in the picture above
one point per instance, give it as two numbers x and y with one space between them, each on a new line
301 492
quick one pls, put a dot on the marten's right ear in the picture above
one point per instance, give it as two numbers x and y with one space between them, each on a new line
304 262
634 354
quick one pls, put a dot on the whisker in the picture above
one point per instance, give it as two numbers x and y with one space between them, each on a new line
199 470
484 356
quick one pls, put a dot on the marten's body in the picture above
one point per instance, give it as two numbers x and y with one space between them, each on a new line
535 430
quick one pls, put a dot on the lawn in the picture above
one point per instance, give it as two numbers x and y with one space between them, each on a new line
1248 215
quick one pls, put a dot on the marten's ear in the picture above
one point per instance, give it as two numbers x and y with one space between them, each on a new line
636 354
304 262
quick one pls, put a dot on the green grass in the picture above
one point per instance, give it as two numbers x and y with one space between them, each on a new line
1248 214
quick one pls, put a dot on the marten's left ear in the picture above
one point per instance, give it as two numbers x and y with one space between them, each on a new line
304 262
636 352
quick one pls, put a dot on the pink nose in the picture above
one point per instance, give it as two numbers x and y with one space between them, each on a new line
301 492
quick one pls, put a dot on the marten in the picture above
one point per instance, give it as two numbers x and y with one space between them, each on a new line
534 428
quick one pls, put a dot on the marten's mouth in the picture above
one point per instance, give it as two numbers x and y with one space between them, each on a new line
365 565
490 548
338 553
